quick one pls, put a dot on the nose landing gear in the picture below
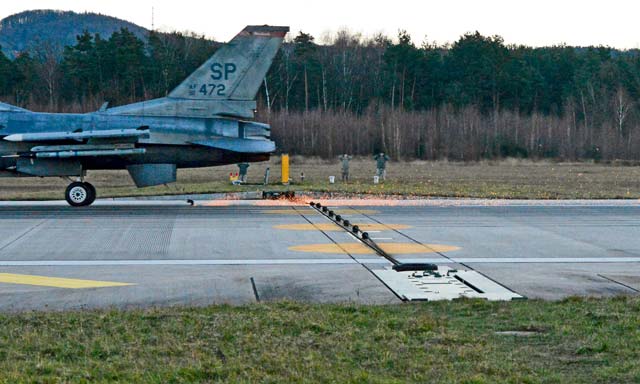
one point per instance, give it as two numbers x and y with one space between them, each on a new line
80 194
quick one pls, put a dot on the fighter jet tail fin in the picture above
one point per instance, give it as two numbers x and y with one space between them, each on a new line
237 69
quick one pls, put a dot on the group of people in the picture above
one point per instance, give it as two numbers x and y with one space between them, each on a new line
381 165
380 158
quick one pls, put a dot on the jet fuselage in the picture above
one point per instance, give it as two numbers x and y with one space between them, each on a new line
170 139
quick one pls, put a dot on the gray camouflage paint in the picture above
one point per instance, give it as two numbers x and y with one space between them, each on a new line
200 123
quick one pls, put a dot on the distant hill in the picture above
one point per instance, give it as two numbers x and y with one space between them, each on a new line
24 30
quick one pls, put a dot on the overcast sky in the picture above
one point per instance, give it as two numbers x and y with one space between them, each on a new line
531 22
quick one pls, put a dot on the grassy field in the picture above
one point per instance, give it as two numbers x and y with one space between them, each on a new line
571 341
502 179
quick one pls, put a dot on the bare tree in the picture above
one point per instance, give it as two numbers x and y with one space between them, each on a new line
622 107
47 56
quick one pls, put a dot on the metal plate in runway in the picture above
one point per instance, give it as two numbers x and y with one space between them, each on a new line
172 253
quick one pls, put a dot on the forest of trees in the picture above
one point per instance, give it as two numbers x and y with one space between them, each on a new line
26 30
472 99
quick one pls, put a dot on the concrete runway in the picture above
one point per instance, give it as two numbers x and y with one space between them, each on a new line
130 253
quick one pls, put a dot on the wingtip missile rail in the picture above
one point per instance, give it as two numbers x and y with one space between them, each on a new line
94 153
84 135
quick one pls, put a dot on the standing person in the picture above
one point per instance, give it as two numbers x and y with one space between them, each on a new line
381 165
345 166
243 171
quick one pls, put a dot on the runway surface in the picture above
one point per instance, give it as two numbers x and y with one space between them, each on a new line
138 253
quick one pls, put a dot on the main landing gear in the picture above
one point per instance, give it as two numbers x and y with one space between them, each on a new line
80 194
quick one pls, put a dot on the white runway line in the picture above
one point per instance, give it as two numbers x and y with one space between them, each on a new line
576 260
173 262
492 260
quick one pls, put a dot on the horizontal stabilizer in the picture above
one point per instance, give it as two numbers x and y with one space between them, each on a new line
56 136
239 145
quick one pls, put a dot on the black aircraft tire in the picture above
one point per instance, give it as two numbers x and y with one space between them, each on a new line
78 194
92 193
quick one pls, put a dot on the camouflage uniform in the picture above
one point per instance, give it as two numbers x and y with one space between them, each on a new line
243 171
381 165
345 166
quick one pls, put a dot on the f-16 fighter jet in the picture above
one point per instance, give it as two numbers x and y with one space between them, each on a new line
203 122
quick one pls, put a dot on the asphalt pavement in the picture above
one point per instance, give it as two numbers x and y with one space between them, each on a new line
136 253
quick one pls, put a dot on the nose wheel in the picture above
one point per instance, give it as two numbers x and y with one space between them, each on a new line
79 194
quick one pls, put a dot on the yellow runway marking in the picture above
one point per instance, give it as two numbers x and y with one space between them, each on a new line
216 203
333 227
305 210
349 211
361 249
297 211
57 282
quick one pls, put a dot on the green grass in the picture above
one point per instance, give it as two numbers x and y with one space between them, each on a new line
575 341
510 179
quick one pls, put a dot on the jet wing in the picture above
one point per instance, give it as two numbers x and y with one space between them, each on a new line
79 136
234 144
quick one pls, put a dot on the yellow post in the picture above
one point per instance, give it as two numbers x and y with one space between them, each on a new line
285 168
